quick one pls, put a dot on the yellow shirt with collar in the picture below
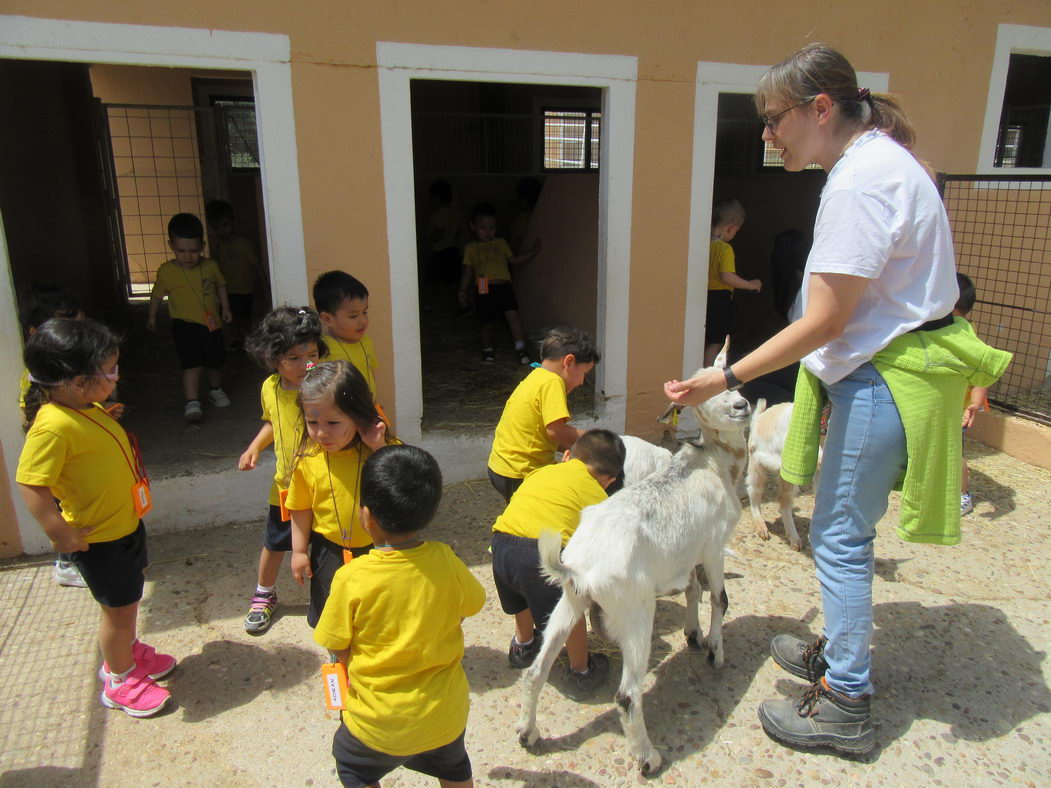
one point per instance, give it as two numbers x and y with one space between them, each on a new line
190 291
490 259
720 260
329 484
85 459
238 262
360 354
281 409
550 499
399 614
521 443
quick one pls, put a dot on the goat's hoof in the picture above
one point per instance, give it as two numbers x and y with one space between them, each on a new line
528 738
692 641
649 766
763 534
797 545
716 658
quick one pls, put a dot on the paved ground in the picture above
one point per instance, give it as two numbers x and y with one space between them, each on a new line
960 663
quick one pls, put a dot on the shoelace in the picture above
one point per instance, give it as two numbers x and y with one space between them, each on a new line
809 700
810 655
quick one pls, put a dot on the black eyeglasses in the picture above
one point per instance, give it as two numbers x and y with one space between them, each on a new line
771 121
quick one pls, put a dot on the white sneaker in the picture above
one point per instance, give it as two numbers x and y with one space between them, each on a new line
966 504
192 412
218 398
67 574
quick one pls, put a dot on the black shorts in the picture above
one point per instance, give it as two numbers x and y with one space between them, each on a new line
720 316
519 584
504 485
196 346
114 570
277 538
325 558
444 266
240 305
499 299
357 764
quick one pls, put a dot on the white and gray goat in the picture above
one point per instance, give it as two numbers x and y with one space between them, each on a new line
647 541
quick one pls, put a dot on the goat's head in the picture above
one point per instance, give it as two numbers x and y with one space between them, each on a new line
727 413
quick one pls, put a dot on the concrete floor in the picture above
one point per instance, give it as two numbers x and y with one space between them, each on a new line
960 664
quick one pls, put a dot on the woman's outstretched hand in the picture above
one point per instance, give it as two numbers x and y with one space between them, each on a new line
697 389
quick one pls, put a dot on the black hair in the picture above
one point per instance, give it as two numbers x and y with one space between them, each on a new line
563 340
481 209
39 303
601 450
281 330
528 191
968 294
442 191
185 225
402 487
333 288
61 350
217 210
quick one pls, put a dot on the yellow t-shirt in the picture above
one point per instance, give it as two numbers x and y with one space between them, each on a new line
399 613
329 484
238 262
281 409
720 260
191 291
361 354
521 443
489 259
85 459
550 499
23 387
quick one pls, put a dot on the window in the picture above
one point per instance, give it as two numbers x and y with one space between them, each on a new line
571 139
1022 137
771 158
235 123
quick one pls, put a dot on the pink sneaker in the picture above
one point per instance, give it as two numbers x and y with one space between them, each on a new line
138 695
155 665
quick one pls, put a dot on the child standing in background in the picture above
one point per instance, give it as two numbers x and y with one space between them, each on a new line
240 266
343 429
197 303
76 453
977 398
488 261
393 621
288 341
444 239
727 218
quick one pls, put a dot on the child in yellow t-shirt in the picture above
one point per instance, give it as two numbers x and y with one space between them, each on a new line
77 453
977 398
393 620
287 341
535 419
342 429
551 499
727 218
197 302
240 266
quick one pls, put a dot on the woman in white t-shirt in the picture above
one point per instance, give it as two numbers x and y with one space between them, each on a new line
881 265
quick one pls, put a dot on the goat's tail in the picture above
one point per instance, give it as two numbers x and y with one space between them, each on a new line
549 544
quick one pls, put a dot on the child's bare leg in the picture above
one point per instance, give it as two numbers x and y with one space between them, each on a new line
215 378
524 626
577 646
514 322
487 335
269 566
191 383
117 635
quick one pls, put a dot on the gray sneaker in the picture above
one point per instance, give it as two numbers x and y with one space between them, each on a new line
521 656
821 718
802 659
581 686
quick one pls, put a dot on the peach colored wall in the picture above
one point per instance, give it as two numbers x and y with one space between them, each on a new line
1023 439
146 85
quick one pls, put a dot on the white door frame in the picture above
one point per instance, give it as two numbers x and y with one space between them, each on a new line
713 79
267 56
615 75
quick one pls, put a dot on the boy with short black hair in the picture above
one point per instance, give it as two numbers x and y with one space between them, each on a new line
535 420
342 302
551 499
408 700
727 219
198 306
976 399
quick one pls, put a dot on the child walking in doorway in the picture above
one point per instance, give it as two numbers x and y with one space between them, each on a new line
76 453
343 428
287 341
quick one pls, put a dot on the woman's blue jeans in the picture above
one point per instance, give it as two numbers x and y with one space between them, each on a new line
864 456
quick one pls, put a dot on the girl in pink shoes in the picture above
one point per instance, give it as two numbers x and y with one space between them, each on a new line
77 453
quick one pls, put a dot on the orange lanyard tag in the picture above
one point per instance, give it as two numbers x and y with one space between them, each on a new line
334 676
348 556
282 496
210 321
140 496
483 285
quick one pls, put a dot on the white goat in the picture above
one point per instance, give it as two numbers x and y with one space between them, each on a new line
766 440
641 458
644 542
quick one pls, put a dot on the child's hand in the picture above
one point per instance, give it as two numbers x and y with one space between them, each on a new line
462 296
756 284
115 409
71 540
301 567
248 460
151 323
375 435
228 316
969 413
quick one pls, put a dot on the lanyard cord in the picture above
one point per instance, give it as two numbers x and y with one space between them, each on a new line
137 476
200 298
332 492
277 414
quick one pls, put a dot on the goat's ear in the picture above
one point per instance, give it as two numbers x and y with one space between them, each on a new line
720 360
668 417
697 441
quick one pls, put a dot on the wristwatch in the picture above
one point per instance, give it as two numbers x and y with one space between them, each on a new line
732 383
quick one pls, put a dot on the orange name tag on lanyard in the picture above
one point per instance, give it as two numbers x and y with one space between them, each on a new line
140 496
282 496
210 321
334 676
348 556
483 285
